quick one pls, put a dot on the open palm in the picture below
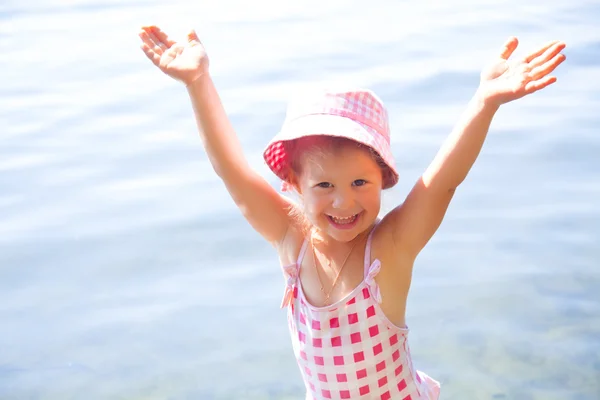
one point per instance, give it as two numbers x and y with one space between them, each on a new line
185 61
506 80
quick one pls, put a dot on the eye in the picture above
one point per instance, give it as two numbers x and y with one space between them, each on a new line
324 185
359 182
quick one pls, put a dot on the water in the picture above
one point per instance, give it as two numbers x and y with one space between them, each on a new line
117 275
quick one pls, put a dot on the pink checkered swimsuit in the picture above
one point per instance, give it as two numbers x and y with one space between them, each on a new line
350 350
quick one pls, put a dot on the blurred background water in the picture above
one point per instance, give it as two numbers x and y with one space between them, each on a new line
126 272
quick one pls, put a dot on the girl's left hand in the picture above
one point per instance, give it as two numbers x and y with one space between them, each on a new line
506 80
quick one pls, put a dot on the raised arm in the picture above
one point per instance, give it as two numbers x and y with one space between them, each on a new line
261 205
416 220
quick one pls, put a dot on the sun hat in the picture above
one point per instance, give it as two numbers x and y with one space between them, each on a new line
356 114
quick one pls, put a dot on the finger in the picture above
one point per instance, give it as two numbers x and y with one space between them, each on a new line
534 86
151 41
509 47
547 67
162 36
157 40
550 53
539 51
151 54
146 39
193 36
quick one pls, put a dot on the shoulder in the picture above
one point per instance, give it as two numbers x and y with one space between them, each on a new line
395 275
385 244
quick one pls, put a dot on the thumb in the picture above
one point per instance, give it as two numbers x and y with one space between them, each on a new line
193 36
509 47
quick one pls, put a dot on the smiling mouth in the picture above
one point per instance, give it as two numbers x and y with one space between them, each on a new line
343 220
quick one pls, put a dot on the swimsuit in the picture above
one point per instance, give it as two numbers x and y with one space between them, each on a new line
350 350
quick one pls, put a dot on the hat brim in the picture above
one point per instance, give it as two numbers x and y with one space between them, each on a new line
331 125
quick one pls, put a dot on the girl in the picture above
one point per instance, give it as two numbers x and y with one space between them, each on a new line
348 273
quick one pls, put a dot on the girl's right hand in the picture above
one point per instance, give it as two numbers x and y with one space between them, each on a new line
185 62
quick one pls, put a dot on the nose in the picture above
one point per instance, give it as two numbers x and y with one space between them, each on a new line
343 200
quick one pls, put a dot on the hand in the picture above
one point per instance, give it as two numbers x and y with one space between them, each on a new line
507 80
185 62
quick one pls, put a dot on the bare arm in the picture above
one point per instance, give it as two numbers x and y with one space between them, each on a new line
421 214
418 218
263 207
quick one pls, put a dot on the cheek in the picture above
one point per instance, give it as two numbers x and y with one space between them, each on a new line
314 204
371 199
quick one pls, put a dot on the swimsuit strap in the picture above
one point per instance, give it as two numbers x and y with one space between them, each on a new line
302 252
291 273
368 249
372 268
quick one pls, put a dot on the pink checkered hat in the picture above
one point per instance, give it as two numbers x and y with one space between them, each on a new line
356 114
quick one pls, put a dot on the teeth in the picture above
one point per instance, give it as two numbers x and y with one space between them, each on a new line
344 220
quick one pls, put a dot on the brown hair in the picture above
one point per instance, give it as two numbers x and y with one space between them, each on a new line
310 148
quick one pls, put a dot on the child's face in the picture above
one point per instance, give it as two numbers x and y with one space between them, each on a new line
341 192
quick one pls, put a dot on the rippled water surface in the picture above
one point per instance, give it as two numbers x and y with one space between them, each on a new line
126 272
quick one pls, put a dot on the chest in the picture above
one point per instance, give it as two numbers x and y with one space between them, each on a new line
324 284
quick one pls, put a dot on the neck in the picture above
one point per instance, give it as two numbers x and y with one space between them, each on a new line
330 245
